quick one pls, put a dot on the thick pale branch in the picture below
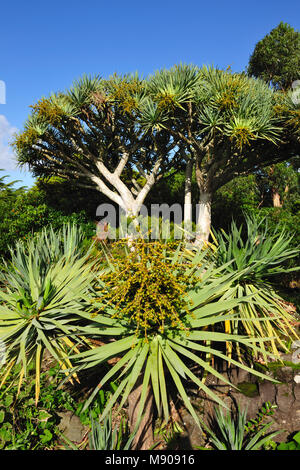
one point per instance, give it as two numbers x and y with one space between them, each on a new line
150 180
103 188
120 167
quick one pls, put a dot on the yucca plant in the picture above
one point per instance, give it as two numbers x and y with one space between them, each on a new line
256 257
53 244
104 436
156 311
231 432
46 289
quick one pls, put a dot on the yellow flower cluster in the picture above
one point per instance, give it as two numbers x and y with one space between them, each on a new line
146 289
125 93
166 100
242 136
48 111
25 139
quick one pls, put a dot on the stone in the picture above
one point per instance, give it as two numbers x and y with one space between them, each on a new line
285 395
238 375
194 435
296 356
297 394
285 374
71 427
284 398
267 392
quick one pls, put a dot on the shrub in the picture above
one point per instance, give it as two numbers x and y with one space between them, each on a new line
24 213
25 426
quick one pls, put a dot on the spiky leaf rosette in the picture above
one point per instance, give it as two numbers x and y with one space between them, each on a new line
231 432
46 291
258 255
157 331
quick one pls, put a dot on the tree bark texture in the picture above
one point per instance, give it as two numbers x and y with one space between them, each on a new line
204 216
188 199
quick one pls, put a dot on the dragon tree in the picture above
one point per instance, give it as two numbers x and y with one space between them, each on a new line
226 125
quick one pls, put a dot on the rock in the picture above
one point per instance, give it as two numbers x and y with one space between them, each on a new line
194 435
71 426
285 374
284 398
238 375
267 392
246 403
296 356
297 420
296 352
253 393
297 394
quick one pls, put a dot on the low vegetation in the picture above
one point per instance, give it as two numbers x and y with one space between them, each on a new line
155 315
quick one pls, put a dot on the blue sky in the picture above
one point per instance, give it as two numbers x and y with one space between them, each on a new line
47 45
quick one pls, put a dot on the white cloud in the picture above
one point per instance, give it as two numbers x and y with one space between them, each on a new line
7 157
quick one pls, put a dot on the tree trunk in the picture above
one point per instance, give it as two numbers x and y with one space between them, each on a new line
204 216
129 203
275 194
276 198
188 200
144 437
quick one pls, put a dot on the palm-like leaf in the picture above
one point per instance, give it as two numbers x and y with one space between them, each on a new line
174 87
82 91
245 107
151 117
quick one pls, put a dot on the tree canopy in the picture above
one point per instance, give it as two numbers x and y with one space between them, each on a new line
227 123
276 58
93 133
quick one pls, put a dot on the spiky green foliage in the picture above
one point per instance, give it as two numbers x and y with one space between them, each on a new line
216 109
6 186
100 133
254 244
45 291
164 353
172 89
231 433
264 253
227 123
104 437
